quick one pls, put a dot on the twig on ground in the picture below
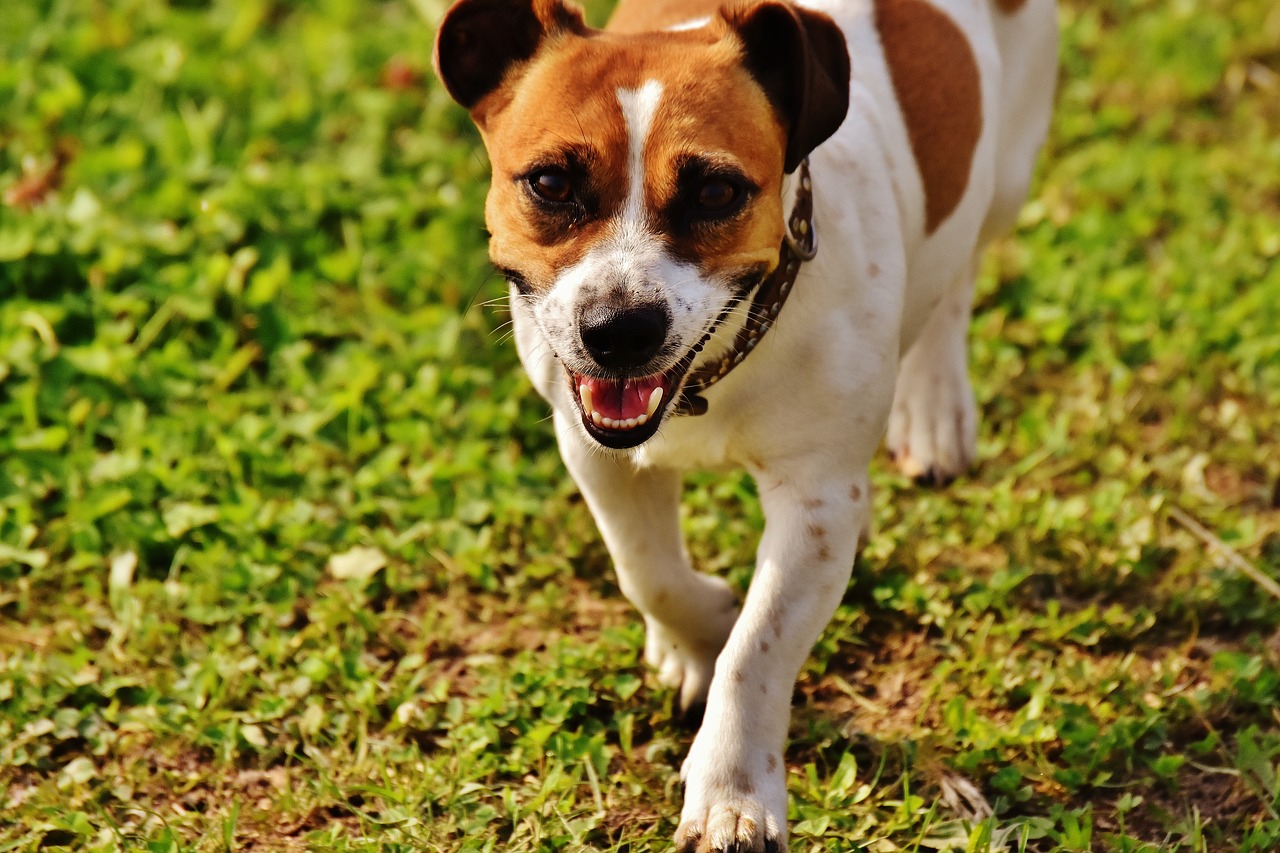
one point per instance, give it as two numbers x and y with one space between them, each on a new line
1232 556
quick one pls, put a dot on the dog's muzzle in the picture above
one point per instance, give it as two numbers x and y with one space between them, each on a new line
623 340
620 409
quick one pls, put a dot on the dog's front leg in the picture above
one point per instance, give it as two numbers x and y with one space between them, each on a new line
735 776
687 614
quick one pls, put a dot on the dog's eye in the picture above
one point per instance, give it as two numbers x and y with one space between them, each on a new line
717 195
552 185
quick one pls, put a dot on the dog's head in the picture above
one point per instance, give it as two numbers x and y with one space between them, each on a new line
637 179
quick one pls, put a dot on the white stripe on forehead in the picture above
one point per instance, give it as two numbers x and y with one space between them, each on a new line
638 109
696 23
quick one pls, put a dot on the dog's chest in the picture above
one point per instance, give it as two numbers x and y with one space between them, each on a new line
709 442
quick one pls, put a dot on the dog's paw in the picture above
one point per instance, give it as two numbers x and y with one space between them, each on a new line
683 661
741 826
933 428
684 654
680 663
731 812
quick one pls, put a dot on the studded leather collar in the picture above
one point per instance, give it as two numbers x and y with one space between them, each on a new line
799 244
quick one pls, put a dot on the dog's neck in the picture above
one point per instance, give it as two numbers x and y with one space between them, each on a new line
799 244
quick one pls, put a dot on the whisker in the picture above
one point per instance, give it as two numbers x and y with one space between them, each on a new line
483 281
489 303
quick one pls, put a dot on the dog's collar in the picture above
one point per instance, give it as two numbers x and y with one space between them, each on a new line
799 244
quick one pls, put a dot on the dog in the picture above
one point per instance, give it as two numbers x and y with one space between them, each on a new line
746 235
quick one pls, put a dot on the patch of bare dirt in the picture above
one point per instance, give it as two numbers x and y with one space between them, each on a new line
459 631
880 689
1221 801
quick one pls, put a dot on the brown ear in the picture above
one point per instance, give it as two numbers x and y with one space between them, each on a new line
479 41
801 60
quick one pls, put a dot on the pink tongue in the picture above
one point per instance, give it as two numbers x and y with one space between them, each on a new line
621 400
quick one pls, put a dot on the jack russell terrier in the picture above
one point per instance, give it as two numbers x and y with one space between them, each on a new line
659 189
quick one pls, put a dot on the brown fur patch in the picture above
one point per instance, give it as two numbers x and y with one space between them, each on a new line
563 109
742 784
936 79
730 122
1010 7
855 493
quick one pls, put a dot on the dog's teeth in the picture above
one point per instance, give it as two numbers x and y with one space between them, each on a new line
605 422
655 400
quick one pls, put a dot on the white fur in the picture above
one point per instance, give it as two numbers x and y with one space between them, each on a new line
872 336
639 106
631 260
694 24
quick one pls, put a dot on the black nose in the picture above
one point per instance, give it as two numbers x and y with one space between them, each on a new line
623 338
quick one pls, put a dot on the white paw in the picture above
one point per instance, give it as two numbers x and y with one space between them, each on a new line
685 653
933 428
734 826
732 808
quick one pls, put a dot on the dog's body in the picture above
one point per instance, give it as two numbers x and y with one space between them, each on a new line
614 155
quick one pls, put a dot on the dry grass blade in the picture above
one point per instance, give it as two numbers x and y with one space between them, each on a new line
1232 556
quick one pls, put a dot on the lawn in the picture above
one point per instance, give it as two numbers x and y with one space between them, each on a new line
288 559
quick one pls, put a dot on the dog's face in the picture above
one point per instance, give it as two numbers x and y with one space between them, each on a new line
637 179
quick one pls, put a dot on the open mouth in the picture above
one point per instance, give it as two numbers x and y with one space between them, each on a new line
622 413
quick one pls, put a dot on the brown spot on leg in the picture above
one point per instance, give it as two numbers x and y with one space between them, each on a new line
739 676
936 79
771 763
817 531
813 503
764 647
742 781
1010 7
824 553
855 493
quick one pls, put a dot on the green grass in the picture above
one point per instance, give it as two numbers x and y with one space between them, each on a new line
288 559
